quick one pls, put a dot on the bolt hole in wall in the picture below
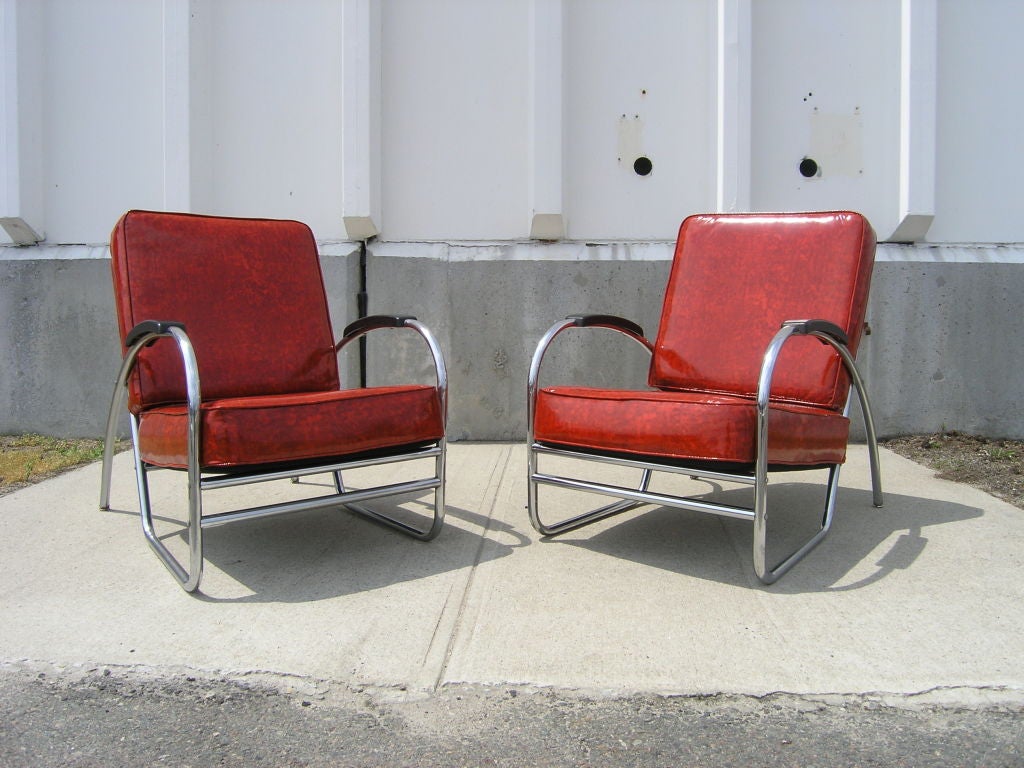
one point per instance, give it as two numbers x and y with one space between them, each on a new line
808 168
643 166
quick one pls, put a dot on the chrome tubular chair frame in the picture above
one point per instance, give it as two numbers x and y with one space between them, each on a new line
630 498
189 578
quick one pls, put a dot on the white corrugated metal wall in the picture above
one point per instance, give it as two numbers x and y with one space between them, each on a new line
457 120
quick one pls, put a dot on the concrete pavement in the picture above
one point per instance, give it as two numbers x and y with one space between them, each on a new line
921 599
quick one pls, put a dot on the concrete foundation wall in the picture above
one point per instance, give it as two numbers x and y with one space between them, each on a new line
59 352
942 353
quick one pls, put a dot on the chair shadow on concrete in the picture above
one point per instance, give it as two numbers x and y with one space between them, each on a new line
328 553
865 545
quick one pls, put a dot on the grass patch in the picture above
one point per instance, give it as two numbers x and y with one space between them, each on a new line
26 459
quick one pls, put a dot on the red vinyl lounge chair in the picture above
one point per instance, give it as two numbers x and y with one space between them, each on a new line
231 374
750 373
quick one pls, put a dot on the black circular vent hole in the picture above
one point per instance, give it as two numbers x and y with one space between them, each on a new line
808 168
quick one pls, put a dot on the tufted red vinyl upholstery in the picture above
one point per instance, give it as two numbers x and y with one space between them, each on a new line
735 278
251 296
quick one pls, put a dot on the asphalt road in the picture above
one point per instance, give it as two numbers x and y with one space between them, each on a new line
101 717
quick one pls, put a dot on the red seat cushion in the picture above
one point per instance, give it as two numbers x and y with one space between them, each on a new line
272 429
687 426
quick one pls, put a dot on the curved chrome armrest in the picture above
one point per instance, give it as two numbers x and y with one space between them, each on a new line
827 332
831 334
627 327
142 335
366 324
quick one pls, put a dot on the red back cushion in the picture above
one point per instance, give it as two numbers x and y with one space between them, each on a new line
249 292
735 279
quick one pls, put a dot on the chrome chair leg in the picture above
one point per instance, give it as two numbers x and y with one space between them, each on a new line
769 575
578 521
437 522
188 579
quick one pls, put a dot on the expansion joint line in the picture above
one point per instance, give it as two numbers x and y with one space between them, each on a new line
501 469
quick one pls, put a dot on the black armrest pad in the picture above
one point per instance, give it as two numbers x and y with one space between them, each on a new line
364 324
804 327
150 326
607 321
